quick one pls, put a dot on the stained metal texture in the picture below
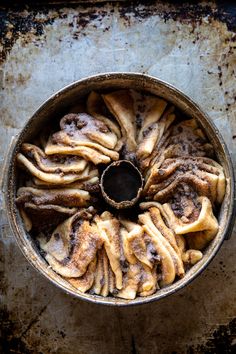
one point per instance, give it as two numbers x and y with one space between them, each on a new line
69 96
44 49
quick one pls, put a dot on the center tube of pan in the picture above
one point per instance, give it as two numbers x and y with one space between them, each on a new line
121 184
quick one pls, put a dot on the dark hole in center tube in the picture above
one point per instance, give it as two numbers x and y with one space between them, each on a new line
121 182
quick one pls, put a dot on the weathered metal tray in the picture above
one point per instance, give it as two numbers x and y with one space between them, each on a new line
43 49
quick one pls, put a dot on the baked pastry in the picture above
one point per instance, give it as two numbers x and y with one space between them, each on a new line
157 170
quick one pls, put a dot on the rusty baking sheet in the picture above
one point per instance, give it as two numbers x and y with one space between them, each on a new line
43 48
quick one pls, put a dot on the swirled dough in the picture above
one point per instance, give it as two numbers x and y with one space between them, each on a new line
48 207
64 197
104 283
53 163
95 107
198 232
86 136
56 176
90 185
182 139
72 246
121 105
177 241
86 281
134 244
151 134
110 229
204 175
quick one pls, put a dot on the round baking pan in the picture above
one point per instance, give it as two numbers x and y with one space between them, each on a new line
59 104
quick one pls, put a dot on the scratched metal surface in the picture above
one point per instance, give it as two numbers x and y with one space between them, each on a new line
192 47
